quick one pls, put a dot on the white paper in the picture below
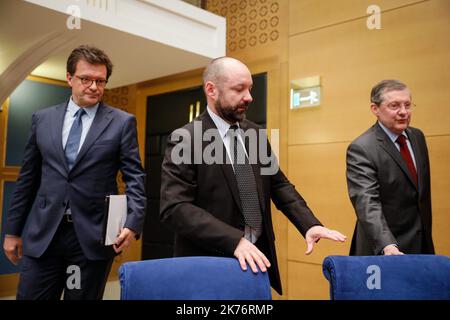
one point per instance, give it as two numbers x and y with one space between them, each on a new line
117 214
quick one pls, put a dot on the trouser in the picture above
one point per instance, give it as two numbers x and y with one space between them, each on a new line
63 267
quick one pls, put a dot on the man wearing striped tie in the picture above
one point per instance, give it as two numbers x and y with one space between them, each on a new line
223 207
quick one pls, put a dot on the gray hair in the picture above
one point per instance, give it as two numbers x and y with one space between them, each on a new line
385 86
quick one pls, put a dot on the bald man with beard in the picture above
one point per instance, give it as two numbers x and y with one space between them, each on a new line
223 208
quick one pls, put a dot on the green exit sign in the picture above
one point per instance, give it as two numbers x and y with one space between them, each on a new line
305 98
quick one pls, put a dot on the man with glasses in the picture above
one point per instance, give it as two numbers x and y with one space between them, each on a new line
72 157
388 178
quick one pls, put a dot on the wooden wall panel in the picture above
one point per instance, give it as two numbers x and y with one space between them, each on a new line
318 172
277 118
439 150
123 98
307 282
254 26
412 46
307 15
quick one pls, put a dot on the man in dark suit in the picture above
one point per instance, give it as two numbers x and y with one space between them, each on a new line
222 207
388 176
70 165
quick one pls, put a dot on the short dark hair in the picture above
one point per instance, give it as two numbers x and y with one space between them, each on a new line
385 86
91 55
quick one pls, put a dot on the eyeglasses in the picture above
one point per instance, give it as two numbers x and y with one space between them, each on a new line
101 83
396 106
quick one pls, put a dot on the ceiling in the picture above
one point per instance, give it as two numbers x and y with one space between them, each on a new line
135 58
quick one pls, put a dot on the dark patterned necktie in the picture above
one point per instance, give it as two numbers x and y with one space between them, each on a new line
246 182
406 155
73 141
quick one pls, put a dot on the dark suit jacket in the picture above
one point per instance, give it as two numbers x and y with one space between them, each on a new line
45 183
201 203
390 208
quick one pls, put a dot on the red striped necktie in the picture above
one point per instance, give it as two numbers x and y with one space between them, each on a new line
406 155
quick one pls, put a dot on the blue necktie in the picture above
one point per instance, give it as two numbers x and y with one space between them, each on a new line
73 141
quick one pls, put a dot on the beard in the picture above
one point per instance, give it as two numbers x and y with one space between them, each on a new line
232 114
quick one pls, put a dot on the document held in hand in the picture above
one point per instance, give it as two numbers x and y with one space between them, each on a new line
116 206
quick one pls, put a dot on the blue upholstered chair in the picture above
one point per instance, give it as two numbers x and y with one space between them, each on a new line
405 277
192 278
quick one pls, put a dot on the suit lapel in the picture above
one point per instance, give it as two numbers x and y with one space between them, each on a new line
390 148
227 168
58 120
101 121
417 155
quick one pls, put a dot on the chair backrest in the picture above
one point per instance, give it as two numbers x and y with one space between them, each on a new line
402 277
192 278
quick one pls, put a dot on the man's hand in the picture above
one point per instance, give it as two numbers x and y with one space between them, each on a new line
391 250
317 232
124 239
13 248
248 252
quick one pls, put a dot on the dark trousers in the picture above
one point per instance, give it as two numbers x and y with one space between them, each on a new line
63 267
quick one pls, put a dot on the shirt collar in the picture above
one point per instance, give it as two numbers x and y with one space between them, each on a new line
72 107
221 124
391 135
